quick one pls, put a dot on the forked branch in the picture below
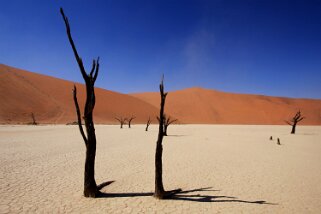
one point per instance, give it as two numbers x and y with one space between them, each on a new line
79 115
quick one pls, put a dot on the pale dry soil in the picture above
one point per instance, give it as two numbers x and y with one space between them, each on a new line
221 169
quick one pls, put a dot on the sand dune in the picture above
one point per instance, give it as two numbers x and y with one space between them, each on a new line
221 169
203 106
50 99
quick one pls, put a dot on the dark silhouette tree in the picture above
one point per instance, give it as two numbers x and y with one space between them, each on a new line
34 122
148 123
160 193
130 121
90 186
278 141
167 121
122 121
297 118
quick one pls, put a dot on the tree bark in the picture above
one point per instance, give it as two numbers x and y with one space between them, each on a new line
293 128
90 186
147 124
159 188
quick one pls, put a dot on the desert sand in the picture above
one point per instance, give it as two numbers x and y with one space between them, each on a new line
50 99
204 106
221 169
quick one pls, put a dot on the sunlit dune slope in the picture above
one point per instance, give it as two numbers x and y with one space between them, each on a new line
198 105
50 99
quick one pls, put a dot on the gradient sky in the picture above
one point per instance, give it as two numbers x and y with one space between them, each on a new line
270 47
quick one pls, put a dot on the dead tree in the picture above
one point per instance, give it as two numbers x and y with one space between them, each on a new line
278 141
167 122
148 123
122 121
297 118
34 122
130 120
160 193
90 186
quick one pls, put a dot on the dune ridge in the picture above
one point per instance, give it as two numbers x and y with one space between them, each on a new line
204 106
50 99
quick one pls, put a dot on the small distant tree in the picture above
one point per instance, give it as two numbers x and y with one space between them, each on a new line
167 121
34 122
297 118
122 121
160 193
148 123
90 187
130 121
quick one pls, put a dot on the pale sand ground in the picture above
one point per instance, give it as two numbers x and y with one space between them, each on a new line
222 168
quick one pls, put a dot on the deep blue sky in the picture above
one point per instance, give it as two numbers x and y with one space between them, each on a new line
270 47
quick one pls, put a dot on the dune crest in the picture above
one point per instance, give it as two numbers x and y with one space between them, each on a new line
50 99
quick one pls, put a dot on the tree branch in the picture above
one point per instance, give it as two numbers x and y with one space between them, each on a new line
301 119
97 69
288 122
79 60
79 115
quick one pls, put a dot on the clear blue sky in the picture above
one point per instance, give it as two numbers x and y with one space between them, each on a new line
270 47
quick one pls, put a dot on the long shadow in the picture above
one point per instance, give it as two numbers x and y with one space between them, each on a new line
175 135
184 196
211 198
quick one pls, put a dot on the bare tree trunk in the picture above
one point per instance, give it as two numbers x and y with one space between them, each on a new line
293 128
122 121
90 186
297 118
165 129
159 188
160 193
148 123
130 121
167 121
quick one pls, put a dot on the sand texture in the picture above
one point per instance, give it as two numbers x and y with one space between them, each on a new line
203 106
221 169
50 99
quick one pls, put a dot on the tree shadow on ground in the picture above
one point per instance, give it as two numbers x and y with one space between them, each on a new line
175 135
185 196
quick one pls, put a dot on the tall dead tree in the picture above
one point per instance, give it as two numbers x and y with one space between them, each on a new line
130 120
148 123
160 193
90 186
297 118
122 121
167 121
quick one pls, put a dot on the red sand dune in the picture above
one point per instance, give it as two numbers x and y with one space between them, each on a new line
198 105
50 99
